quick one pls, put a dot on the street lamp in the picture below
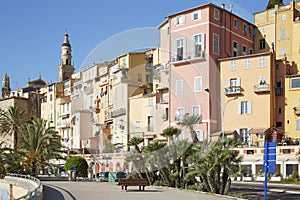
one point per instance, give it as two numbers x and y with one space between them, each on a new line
223 114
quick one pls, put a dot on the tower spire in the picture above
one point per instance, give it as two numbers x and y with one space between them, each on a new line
66 68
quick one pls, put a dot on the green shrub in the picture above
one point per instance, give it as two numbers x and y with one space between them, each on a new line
161 183
80 164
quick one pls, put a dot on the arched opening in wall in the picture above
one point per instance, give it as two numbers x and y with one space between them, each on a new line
97 168
103 167
111 166
118 167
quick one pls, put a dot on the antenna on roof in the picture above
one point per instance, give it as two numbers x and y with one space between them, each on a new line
230 7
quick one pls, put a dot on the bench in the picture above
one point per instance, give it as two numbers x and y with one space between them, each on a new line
141 182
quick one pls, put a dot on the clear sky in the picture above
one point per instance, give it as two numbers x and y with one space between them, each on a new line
32 31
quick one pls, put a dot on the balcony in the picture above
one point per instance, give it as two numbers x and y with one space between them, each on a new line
189 56
118 112
296 110
233 90
262 88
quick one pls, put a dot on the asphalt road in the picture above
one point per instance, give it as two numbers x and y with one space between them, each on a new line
63 190
275 191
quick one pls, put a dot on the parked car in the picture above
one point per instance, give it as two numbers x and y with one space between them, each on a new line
103 176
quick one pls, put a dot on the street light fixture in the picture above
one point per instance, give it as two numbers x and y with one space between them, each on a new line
223 114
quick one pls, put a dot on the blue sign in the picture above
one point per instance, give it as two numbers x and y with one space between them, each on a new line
270 157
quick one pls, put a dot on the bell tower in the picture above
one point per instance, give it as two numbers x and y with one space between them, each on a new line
66 67
5 86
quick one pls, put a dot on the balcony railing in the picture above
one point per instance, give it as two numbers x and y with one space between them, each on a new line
233 90
296 110
188 56
261 88
118 112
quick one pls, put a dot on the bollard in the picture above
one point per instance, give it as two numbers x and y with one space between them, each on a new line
11 194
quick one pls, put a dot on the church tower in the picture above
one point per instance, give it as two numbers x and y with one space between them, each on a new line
5 86
66 68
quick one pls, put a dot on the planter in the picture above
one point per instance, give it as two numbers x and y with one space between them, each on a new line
238 178
246 178
260 178
275 178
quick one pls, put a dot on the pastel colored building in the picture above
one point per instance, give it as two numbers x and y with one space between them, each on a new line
198 37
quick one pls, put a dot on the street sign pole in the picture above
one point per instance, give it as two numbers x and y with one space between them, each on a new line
269 163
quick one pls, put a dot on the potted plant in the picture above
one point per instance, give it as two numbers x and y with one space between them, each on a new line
277 177
260 176
248 176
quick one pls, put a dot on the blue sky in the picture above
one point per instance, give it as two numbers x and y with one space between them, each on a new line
32 31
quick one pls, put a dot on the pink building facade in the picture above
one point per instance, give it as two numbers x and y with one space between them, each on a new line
198 38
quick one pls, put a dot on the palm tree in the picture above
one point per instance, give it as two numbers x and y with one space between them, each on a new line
11 121
135 141
216 165
189 122
38 146
170 132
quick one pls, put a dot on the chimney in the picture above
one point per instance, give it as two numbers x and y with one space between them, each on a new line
230 7
223 6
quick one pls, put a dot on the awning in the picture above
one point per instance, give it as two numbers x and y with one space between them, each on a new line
258 130
219 133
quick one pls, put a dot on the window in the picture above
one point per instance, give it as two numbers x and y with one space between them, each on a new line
262 61
272 13
51 97
138 124
150 102
180 20
250 51
295 83
123 63
180 46
261 136
282 34
140 77
179 86
298 124
196 15
236 23
148 78
180 114
235 49
282 52
199 45
245 50
245 28
262 80
217 14
150 123
233 65
283 17
278 124
197 84
277 66
216 43
199 135
279 110
262 44
244 107
247 63
233 86
196 111
243 135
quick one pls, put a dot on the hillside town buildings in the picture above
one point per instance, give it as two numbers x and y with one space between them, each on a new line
241 79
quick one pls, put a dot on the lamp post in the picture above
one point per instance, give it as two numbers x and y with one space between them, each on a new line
223 114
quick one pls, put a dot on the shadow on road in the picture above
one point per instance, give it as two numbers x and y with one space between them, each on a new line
140 191
50 193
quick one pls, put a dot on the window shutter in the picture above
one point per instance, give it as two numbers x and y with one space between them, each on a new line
175 20
183 18
202 42
249 107
174 51
184 47
227 83
239 108
192 54
299 102
238 81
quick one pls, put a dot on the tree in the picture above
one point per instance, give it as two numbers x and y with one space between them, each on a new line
189 122
272 3
215 166
135 141
109 148
170 132
38 146
11 121
80 164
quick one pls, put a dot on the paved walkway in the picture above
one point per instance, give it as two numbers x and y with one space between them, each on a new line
59 190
